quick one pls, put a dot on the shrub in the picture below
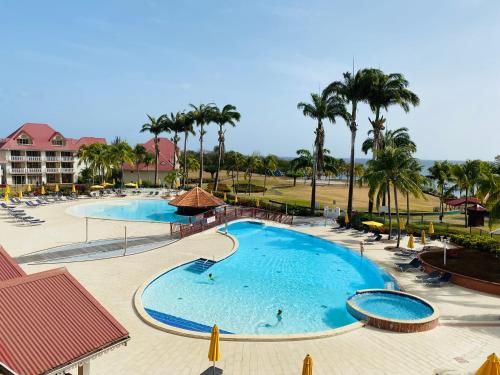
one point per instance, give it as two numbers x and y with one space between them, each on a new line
473 241
244 188
220 187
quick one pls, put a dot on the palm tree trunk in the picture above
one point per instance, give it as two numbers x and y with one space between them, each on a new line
157 154
441 202
175 149
466 199
185 160
313 180
219 160
201 156
265 177
294 181
389 208
397 214
121 171
407 208
351 172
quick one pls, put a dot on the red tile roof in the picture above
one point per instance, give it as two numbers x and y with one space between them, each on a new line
41 136
49 321
165 158
9 269
198 198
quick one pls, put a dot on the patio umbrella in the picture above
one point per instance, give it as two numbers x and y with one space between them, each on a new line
7 189
431 228
214 350
131 184
236 198
6 197
402 225
423 239
491 366
97 187
114 182
346 219
257 203
73 188
28 189
307 368
411 243
20 194
56 189
140 182
42 190
225 197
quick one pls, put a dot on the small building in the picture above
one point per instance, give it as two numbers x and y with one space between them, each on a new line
134 173
459 203
476 214
50 324
195 201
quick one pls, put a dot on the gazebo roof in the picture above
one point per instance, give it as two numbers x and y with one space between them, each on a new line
477 208
196 198
49 322
461 201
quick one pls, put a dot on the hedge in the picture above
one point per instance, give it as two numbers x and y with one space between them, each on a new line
481 243
252 188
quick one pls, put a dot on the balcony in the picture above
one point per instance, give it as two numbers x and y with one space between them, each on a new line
52 170
33 158
67 158
17 170
68 170
52 158
33 170
16 158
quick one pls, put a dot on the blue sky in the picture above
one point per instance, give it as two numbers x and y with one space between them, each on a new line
97 67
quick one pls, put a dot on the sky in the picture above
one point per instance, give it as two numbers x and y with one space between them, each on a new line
96 68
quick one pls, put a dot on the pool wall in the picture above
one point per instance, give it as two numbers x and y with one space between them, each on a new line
396 325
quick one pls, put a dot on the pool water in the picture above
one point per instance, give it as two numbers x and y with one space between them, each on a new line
307 277
393 306
147 210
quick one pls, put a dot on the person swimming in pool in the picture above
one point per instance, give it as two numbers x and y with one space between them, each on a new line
279 315
211 277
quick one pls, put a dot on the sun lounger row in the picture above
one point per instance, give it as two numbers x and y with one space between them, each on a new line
20 215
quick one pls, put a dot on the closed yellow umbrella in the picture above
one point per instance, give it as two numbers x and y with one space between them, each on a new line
97 187
7 189
431 228
20 194
73 188
236 198
6 197
422 238
214 350
402 225
307 368
56 188
28 189
257 203
114 183
225 197
491 366
346 219
411 242
42 190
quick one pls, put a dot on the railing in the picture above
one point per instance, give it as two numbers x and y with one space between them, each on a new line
34 158
219 216
67 170
17 170
52 170
16 158
52 158
33 170
67 158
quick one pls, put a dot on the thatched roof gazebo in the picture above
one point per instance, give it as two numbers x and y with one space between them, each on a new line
195 201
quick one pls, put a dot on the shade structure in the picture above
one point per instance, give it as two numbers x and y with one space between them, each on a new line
108 184
346 219
73 188
56 188
140 182
42 190
373 224
307 368
131 184
411 242
6 197
7 189
491 366
195 201
402 225
422 238
214 350
20 194
431 228
97 187
28 189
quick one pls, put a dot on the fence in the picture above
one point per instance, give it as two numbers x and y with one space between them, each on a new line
219 216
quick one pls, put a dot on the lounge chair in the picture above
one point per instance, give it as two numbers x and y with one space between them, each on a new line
16 200
411 266
432 275
32 204
438 281
32 221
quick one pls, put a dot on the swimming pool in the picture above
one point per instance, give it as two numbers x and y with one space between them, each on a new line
146 210
273 268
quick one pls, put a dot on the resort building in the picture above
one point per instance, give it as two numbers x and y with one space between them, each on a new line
133 173
37 154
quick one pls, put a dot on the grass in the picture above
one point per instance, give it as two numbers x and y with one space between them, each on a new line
481 265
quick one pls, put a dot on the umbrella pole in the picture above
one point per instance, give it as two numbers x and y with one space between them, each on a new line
213 372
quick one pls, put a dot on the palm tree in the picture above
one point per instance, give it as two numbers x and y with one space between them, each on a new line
354 89
149 159
440 172
398 137
466 176
187 127
202 115
489 191
253 163
139 153
192 163
304 162
227 116
121 153
155 127
174 124
269 164
323 106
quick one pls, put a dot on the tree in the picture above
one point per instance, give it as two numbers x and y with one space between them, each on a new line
139 153
121 153
253 163
190 163
354 89
466 176
187 128
440 172
234 161
304 162
227 116
149 159
323 106
269 165
202 115
174 124
489 191
154 127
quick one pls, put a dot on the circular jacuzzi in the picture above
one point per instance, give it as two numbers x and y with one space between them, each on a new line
393 310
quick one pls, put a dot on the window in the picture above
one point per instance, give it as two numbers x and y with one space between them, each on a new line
58 141
23 139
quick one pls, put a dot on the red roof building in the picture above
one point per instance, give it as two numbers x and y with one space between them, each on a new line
165 157
50 323
461 201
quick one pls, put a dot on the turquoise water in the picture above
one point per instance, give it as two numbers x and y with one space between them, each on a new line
273 268
393 306
150 210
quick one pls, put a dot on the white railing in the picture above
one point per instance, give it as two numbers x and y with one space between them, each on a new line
34 158
52 158
67 170
67 158
34 170
17 170
52 170
16 158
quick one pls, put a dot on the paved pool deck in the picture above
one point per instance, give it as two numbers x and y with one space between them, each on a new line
469 330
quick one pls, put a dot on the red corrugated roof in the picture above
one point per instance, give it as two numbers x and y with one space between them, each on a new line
165 158
48 320
461 201
9 269
41 136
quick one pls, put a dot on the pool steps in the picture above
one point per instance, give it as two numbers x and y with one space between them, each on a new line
200 265
175 321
